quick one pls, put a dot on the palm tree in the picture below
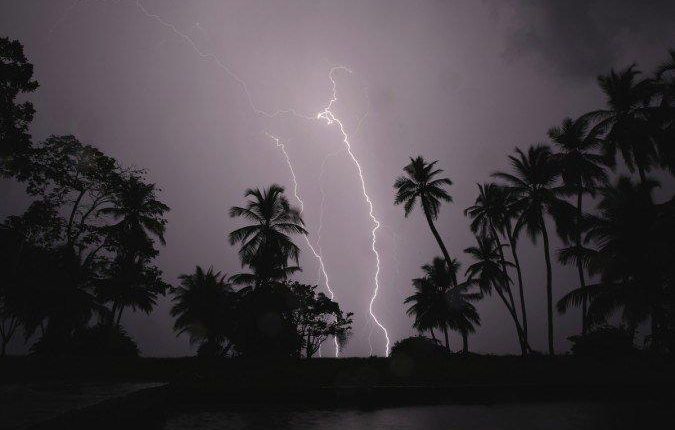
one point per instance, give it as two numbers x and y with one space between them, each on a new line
202 307
532 184
265 244
581 171
421 183
487 272
140 218
625 122
664 114
140 215
424 302
492 213
437 304
429 299
634 259
462 314
132 285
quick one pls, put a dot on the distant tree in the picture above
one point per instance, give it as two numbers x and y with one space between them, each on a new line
131 279
634 261
624 124
420 183
24 244
16 79
437 303
81 181
487 272
130 284
424 307
203 308
663 115
493 214
582 171
317 318
533 185
139 215
463 316
266 245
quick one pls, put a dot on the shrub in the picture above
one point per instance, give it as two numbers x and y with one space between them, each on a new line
603 341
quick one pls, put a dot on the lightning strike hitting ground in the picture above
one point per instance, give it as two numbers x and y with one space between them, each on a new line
317 255
327 115
330 118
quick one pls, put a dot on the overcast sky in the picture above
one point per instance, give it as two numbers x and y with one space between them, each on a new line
463 82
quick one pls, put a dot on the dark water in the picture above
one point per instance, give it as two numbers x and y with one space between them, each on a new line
545 416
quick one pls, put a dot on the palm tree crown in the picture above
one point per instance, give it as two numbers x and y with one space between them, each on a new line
420 183
266 245
625 120
580 169
202 305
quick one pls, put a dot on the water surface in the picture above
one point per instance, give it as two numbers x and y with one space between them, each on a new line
548 416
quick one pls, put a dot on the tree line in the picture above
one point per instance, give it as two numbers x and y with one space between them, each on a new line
623 250
83 253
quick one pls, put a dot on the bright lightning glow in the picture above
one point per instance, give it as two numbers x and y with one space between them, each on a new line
330 118
317 255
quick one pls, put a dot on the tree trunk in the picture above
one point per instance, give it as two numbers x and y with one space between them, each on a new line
519 331
113 312
580 267
448 260
119 317
549 285
445 333
516 262
3 350
465 342
433 336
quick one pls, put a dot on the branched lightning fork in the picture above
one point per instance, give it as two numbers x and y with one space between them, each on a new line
317 255
330 118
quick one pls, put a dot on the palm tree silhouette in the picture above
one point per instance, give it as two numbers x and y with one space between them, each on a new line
663 115
130 285
202 307
634 258
582 171
625 122
487 272
420 183
139 212
424 303
266 245
462 314
492 213
533 186
141 217
437 304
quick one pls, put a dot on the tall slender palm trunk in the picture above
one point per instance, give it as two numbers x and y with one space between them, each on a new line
522 335
514 316
445 333
444 250
465 342
519 274
433 335
580 267
549 285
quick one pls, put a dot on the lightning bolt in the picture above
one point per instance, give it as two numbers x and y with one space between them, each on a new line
328 115
317 255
